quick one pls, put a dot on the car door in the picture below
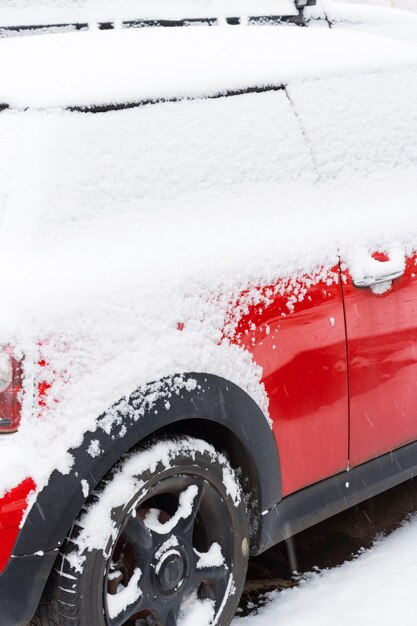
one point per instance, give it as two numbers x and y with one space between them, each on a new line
295 331
381 323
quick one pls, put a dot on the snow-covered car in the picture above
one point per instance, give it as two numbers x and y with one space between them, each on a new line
23 17
208 243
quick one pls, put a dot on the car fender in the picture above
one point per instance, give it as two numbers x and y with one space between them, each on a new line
147 410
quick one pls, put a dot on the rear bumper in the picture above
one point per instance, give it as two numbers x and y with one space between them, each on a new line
21 587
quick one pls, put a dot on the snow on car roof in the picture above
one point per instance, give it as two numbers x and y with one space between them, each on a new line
123 66
381 20
23 12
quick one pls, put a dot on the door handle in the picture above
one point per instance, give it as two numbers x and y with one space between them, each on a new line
369 281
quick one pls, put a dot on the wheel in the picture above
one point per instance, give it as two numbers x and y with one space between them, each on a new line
164 541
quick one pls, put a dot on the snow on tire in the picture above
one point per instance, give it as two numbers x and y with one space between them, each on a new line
163 541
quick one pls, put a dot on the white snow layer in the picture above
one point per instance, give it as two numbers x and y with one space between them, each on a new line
116 228
104 67
212 558
118 602
184 511
23 12
376 589
126 488
195 611
378 20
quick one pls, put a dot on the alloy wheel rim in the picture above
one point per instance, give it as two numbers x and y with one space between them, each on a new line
174 548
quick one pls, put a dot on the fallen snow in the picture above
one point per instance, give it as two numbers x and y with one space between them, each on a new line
172 542
185 508
134 233
212 558
195 611
118 602
119 66
375 589
363 265
124 225
126 488
23 12
85 488
94 448
232 486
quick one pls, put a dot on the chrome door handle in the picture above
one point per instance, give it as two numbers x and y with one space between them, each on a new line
368 281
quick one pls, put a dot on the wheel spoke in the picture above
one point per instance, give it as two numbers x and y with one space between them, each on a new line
210 575
137 535
186 526
168 616
157 558
212 584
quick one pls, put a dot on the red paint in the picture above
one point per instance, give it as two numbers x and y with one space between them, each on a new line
382 333
12 508
43 387
303 356
43 390
380 256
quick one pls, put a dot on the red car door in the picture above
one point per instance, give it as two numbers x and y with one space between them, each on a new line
381 323
296 332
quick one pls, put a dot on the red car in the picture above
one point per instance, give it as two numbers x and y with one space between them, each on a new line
211 324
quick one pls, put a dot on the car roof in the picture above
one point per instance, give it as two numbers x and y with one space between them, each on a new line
25 13
99 68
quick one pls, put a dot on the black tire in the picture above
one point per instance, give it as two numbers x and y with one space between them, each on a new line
153 525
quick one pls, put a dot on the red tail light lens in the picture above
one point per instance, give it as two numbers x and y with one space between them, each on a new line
10 390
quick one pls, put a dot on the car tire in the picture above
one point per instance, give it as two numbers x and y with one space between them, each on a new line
163 540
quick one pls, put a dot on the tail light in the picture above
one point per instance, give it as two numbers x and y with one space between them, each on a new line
10 391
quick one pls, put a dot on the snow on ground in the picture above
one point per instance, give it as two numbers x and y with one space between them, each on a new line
375 589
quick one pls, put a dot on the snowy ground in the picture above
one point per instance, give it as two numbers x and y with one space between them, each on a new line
375 589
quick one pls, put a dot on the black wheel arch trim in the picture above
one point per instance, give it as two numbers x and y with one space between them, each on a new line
21 587
179 398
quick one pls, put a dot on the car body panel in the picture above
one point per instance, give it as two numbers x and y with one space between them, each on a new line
298 337
382 348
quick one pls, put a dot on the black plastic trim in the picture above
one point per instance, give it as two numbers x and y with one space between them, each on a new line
213 399
21 587
297 19
27 28
104 108
331 496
